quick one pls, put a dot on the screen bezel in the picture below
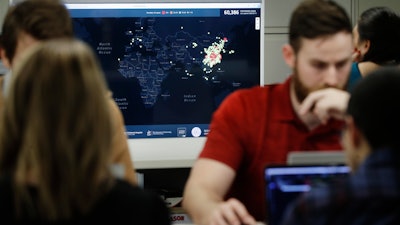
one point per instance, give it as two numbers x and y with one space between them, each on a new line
174 152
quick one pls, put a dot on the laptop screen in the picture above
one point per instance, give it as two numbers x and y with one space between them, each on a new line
286 182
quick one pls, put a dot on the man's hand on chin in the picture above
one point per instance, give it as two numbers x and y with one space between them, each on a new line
325 104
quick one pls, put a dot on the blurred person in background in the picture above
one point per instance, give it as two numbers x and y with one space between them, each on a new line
30 22
370 140
55 150
257 127
376 40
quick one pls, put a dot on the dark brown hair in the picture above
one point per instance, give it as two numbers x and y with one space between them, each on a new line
317 18
42 19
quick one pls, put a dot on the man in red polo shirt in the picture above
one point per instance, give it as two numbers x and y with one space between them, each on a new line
259 126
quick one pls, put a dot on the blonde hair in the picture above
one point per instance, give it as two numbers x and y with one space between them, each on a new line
56 127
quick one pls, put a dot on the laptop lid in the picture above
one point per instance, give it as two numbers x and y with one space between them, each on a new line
316 157
284 183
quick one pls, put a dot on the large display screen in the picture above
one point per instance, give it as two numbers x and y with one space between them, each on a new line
170 65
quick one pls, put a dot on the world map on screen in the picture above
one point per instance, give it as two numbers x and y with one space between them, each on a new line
174 70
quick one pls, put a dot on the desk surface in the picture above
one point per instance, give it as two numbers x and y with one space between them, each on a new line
163 164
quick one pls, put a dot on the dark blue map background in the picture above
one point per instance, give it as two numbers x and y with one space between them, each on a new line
153 65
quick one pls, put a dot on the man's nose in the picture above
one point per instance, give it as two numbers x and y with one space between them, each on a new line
331 77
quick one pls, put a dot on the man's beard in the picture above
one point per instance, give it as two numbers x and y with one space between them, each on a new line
302 91
299 89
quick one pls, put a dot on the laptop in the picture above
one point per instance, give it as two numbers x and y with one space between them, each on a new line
284 183
316 157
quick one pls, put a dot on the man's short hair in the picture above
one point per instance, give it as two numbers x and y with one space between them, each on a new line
375 109
317 18
42 19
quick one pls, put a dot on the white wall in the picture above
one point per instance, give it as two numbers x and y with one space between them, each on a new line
3 10
361 5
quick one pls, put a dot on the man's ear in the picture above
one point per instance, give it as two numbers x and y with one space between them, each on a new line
288 55
4 59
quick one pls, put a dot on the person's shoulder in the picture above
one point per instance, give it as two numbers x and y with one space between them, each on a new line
254 92
274 90
325 197
246 99
367 67
6 199
125 189
311 207
127 202
5 186
124 192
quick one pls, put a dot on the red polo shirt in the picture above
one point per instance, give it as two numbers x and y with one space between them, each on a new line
256 127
